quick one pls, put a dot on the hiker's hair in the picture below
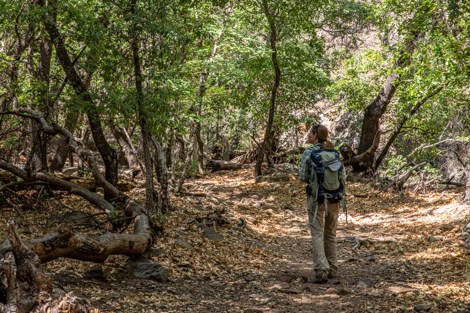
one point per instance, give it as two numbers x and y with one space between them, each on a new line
321 131
328 145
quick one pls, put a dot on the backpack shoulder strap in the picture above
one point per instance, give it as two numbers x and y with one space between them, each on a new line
317 158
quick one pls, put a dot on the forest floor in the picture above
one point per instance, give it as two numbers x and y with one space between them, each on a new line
233 245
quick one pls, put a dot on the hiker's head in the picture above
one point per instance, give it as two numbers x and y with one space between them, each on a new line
317 133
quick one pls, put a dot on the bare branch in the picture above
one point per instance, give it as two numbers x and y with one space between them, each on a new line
78 148
423 147
401 179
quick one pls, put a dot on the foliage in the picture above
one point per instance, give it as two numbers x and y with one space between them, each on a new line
435 61
328 50
209 63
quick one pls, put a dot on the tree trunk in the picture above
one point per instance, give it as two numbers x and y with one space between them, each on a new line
128 149
178 152
63 150
107 153
198 142
9 99
350 158
38 155
162 176
274 89
21 280
71 121
372 115
203 76
375 110
43 75
144 128
184 173
37 159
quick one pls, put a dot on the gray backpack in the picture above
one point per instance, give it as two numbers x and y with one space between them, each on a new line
328 168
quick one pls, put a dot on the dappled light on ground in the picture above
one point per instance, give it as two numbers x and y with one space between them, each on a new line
233 245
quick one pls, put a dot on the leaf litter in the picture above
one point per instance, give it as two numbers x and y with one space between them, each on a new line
233 245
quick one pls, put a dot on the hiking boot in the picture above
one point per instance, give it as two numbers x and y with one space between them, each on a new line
321 277
320 280
332 274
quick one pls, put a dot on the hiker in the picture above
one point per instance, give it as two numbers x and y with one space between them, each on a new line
322 170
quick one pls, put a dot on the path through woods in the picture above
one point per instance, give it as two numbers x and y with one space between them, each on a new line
235 246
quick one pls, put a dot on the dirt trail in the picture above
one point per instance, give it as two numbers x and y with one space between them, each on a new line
394 256
235 246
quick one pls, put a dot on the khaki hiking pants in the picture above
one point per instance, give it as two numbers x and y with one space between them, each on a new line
323 231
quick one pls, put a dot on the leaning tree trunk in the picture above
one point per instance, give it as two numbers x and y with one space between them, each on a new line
107 153
375 110
274 89
372 116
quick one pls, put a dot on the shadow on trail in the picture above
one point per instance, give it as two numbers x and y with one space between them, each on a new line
392 256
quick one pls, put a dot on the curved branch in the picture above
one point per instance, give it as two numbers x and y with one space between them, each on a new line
53 129
423 147
71 187
402 122
67 244
359 158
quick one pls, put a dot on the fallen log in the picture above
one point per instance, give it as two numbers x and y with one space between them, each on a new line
65 243
219 165
21 280
24 287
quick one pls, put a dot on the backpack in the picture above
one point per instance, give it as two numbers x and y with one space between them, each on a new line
328 168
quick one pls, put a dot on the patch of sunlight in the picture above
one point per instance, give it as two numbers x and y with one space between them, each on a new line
318 300
435 253
449 290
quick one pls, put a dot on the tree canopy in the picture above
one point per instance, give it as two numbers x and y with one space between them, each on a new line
165 90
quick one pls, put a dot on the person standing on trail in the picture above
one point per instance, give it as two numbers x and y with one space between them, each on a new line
323 171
